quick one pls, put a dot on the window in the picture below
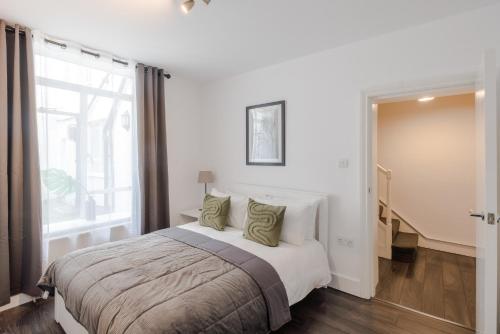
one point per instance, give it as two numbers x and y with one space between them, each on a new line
86 113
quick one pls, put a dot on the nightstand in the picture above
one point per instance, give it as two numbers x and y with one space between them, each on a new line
192 213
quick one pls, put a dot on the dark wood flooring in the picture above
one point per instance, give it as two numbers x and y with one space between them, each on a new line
323 311
438 283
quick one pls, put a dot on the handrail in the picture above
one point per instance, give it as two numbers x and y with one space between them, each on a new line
420 232
383 170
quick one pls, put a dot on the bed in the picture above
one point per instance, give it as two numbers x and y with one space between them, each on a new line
234 285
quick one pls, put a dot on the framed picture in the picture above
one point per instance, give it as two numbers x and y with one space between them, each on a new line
266 134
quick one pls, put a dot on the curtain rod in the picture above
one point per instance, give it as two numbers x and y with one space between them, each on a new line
12 28
166 75
22 31
95 54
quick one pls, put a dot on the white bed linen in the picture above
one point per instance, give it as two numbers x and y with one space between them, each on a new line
301 268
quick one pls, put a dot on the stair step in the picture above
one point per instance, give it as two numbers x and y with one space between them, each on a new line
395 226
406 241
405 247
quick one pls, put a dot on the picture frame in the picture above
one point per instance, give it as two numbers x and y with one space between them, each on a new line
265 134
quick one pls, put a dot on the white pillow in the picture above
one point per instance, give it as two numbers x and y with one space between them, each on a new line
237 209
310 229
299 217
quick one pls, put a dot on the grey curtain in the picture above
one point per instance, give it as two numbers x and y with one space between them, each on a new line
152 149
20 206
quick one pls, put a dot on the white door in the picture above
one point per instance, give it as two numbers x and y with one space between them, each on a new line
487 197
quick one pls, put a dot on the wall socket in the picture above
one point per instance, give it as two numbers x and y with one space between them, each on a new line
345 242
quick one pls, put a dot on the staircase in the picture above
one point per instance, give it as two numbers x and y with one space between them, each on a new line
403 245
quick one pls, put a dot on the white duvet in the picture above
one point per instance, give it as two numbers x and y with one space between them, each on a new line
301 268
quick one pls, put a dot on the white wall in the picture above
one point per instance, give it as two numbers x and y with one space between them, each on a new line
183 145
323 94
431 148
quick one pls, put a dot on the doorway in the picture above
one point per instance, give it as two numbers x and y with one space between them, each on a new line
403 280
426 187
484 84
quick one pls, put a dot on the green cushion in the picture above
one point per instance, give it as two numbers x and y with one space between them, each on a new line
264 223
215 211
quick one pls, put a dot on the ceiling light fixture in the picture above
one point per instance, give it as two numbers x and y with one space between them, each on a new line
187 5
426 99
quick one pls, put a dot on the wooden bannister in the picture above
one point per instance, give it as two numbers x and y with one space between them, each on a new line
387 173
388 177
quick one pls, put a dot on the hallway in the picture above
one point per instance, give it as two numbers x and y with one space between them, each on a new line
437 283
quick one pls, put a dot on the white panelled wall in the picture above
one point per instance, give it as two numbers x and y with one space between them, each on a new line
324 102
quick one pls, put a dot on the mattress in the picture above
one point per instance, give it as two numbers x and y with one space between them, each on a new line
301 268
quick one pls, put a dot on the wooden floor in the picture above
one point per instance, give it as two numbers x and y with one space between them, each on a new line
438 283
323 311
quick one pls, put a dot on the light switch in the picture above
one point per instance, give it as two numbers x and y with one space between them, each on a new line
343 163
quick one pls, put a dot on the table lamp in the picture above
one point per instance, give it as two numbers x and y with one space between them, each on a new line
205 176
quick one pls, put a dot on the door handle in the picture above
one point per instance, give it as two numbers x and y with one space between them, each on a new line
476 215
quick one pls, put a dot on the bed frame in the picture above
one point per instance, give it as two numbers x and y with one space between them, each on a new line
71 326
64 318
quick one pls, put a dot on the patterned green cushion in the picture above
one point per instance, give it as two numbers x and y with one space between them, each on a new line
264 223
215 211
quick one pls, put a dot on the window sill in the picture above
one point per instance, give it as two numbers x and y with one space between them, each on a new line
79 226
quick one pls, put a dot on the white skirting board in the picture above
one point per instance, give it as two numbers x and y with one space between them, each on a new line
440 245
345 283
17 300
65 319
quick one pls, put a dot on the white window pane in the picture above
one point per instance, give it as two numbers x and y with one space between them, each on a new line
56 99
58 167
122 143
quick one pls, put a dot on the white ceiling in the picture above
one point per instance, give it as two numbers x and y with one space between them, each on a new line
228 36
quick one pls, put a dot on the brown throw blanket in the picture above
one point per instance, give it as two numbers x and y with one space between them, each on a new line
169 281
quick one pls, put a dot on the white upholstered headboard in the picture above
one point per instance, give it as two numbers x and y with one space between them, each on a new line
270 192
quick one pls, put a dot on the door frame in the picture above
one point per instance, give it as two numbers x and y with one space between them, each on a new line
368 186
